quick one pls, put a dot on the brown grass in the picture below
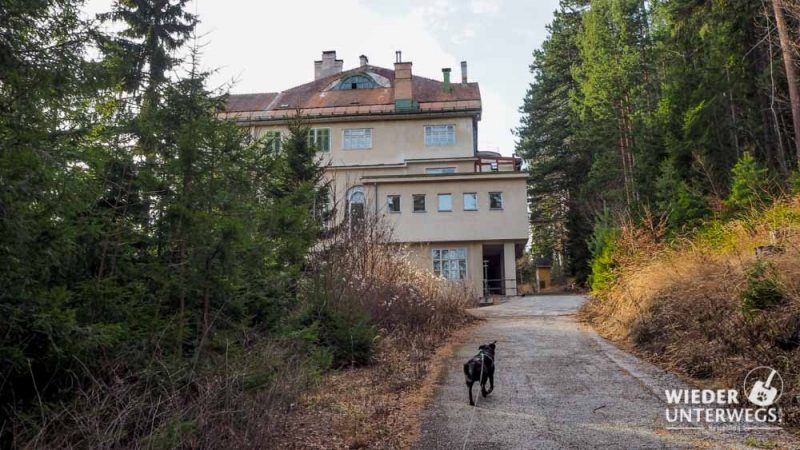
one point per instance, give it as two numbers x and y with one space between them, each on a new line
376 407
681 305
237 404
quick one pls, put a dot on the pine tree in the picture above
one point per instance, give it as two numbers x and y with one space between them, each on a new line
750 186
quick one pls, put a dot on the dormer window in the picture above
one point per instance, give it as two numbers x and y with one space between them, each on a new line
356 82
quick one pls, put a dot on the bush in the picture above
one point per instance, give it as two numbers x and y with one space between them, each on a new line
360 284
344 328
763 290
602 246
750 186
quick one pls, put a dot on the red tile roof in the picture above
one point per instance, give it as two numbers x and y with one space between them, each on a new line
312 99
250 102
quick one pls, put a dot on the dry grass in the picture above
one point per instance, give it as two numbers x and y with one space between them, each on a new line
237 405
374 407
681 305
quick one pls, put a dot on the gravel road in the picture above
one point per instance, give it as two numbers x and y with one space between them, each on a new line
558 385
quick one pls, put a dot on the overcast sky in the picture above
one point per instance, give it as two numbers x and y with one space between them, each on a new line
267 46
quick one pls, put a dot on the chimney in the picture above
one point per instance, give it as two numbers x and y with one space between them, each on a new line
446 76
463 72
363 60
403 86
328 66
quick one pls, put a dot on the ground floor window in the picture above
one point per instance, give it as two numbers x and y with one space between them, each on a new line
450 263
419 202
393 203
355 205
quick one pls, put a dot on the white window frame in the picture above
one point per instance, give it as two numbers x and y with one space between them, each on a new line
354 141
439 170
450 263
464 201
389 203
355 195
439 202
440 135
502 201
313 137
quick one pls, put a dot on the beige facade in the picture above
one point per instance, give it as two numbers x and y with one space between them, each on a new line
405 147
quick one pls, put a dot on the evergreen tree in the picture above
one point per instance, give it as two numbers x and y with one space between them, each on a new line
547 141
750 184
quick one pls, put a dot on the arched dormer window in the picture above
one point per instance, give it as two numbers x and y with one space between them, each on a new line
360 81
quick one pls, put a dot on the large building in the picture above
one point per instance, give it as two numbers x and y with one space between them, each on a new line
406 147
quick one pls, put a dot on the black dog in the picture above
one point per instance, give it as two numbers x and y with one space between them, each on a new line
481 368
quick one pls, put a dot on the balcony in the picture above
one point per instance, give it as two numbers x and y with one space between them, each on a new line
495 162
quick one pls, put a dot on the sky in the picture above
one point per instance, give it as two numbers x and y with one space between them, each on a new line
269 46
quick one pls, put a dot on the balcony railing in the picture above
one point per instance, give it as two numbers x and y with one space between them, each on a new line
494 162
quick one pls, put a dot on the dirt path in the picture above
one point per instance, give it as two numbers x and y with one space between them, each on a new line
558 385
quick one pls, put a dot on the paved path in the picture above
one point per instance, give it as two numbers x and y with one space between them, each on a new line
558 385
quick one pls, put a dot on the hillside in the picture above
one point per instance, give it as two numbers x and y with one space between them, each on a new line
711 306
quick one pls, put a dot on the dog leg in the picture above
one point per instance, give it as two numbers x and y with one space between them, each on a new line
469 388
483 388
491 382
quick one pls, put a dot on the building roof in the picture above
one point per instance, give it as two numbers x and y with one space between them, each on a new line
317 99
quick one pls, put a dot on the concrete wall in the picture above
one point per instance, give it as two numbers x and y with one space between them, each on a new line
394 141
510 223
422 255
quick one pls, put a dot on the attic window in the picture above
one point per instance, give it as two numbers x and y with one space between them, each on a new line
356 82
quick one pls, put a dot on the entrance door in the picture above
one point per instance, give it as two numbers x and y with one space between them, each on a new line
493 283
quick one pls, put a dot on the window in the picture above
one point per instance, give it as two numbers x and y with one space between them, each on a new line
355 205
273 141
445 202
356 82
495 200
470 201
440 170
321 137
356 138
323 210
393 203
436 135
450 263
419 202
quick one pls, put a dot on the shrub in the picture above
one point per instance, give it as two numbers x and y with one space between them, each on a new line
361 283
763 290
750 186
344 328
602 246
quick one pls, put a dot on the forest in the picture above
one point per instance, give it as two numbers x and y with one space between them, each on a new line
662 140
678 110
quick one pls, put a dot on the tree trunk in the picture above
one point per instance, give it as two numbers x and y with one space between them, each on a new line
791 74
